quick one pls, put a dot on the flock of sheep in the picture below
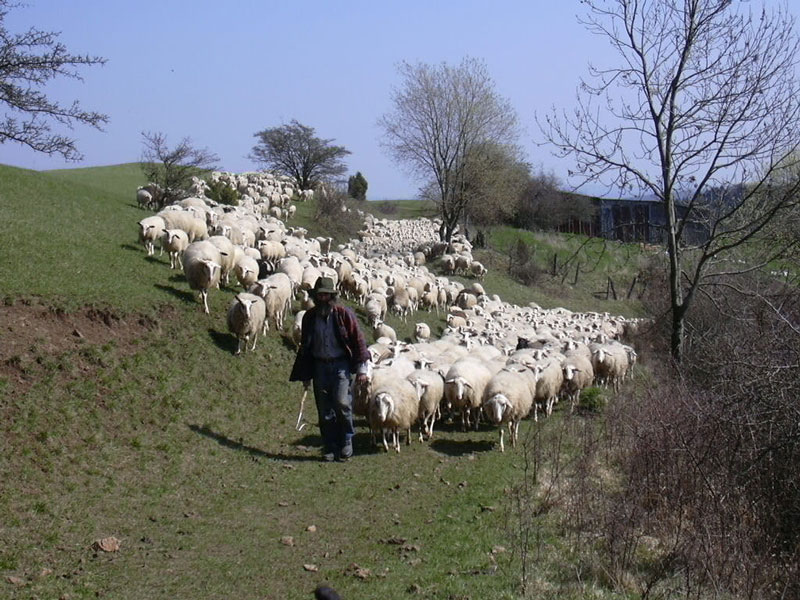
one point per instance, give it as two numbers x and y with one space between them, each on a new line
495 360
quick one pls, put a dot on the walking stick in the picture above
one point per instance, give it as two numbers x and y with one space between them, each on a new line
298 426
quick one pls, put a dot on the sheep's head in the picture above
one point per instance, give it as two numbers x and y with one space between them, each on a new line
495 407
384 406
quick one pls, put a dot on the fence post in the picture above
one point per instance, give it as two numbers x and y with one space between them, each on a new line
633 284
611 286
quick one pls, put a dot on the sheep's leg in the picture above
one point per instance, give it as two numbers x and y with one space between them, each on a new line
514 429
502 447
396 439
204 295
385 442
255 339
408 437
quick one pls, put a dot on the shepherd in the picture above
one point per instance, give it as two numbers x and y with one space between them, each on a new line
332 350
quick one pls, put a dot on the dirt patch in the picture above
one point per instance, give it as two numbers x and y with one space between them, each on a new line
30 332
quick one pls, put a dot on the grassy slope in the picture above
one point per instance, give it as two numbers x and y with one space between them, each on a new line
189 455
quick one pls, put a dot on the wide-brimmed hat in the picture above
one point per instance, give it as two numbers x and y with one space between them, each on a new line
324 285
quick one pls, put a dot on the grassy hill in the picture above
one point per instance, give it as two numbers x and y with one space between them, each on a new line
124 413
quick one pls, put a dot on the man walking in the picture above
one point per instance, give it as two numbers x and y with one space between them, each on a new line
332 349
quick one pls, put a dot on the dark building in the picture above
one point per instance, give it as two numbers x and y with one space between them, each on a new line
642 220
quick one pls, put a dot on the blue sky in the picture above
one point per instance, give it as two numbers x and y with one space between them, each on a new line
219 72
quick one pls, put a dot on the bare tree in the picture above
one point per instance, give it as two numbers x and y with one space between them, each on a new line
442 115
172 169
705 99
294 150
27 62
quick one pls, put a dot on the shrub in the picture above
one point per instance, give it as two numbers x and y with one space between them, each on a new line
592 400
222 193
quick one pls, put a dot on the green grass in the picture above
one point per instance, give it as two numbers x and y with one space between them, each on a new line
159 436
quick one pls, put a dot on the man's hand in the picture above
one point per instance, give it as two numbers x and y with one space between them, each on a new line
306 384
361 378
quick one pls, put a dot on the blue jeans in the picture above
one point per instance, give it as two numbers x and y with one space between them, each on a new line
334 403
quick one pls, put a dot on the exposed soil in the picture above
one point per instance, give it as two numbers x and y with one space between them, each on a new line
30 331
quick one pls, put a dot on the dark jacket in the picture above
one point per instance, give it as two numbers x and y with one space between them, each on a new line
347 332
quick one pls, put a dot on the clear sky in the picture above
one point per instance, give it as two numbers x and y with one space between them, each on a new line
220 71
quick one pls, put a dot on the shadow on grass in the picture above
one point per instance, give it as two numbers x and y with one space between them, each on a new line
288 342
460 447
132 247
225 441
187 297
225 341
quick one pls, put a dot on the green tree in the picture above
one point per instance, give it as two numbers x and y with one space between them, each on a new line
441 116
28 61
295 150
357 187
172 168
705 98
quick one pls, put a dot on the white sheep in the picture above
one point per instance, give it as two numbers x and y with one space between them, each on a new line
246 270
549 379
463 389
201 265
610 362
277 293
578 375
431 387
175 242
194 227
297 328
151 229
422 332
246 316
144 198
477 270
394 406
381 329
227 253
508 398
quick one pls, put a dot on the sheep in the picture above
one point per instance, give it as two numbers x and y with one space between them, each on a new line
549 379
431 385
463 388
508 398
246 316
610 362
400 301
144 198
477 270
227 255
246 270
297 328
422 332
201 266
578 375
375 307
195 228
150 230
277 293
381 329
175 242
394 405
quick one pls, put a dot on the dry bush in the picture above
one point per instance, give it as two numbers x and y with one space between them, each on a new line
708 502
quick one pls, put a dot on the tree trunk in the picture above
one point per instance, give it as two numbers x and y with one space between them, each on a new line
675 290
